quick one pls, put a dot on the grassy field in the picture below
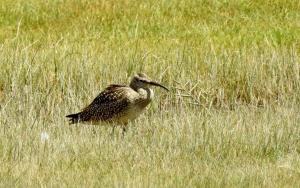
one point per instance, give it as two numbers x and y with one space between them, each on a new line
231 118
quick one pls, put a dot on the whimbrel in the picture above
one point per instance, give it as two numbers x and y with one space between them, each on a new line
118 104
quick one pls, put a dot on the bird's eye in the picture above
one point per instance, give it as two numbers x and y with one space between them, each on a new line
142 80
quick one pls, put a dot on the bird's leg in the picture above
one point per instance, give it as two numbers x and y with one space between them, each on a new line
113 130
94 131
124 129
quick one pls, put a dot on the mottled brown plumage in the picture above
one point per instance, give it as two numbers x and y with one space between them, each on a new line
118 103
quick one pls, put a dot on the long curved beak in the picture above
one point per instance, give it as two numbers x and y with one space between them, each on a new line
157 84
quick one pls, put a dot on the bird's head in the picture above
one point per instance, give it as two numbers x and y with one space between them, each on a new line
141 80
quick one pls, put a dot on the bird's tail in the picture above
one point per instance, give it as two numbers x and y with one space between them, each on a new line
74 118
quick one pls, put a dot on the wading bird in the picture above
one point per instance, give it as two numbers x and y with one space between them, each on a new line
118 104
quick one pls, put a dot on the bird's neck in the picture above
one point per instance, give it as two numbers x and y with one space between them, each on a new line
146 95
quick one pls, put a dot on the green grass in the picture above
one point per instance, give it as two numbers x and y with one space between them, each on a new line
231 118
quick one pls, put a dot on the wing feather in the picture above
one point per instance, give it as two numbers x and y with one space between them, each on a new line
109 104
